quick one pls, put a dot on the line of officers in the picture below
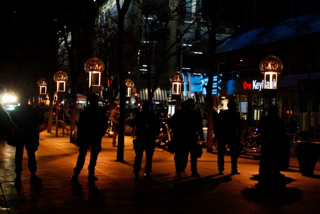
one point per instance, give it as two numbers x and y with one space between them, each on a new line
186 125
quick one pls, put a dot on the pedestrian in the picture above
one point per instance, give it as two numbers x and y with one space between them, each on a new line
114 116
92 127
228 131
272 132
186 125
27 120
147 128
7 127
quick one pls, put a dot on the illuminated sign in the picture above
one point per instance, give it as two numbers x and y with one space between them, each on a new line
255 85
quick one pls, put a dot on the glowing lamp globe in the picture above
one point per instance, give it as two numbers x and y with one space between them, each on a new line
130 84
270 67
176 81
42 84
94 66
60 77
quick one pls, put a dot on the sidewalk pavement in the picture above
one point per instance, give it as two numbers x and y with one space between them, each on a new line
117 192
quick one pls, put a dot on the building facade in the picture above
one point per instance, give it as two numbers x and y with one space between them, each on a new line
295 41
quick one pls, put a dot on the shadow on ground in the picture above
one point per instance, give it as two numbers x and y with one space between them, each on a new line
274 193
184 187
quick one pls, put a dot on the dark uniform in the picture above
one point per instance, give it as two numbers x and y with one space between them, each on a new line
27 120
147 128
272 130
92 127
228 131
186 125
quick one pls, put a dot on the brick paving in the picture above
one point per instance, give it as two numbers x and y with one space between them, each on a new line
117 192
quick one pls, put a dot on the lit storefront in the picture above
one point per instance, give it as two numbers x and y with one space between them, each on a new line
297 97
300 99
250 96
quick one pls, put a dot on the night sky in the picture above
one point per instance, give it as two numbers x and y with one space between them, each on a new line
29 40
28 37
29 32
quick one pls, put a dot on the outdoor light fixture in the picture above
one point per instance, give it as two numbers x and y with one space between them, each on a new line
129 83
94 66
55 96
9 98
60 77
176 82
42 84
271 66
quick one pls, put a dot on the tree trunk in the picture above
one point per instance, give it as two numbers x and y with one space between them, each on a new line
73 113
210 8
50 112
121 17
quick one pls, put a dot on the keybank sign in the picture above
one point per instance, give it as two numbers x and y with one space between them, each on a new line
254 85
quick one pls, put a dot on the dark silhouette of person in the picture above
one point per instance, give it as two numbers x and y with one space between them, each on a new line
272 131
7 127
114 117
27 120
92 127
228 131
186 125
147 128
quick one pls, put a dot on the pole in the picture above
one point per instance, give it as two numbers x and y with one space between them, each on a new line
57 112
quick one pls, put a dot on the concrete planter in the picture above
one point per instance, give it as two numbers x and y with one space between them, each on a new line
308 153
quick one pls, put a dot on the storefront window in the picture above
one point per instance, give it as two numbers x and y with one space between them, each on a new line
243 106
256 114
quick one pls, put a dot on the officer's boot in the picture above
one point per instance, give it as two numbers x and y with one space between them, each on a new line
91 176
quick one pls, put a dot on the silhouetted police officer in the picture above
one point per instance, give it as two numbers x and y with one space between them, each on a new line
92 127
147 128
272 130
27 120
228 131
186 125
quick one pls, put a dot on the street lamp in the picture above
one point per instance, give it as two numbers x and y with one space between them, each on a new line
60 77
94 66
129 83
271 66
176 81
42 84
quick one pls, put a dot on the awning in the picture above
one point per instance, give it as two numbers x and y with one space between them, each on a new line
292 79
81 97
159 94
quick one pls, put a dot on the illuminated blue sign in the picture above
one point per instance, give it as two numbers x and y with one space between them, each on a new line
199 82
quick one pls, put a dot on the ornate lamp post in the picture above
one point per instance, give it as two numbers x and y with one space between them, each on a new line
176 85
176 81
270 67
94 66
130 84
60 77
42 84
